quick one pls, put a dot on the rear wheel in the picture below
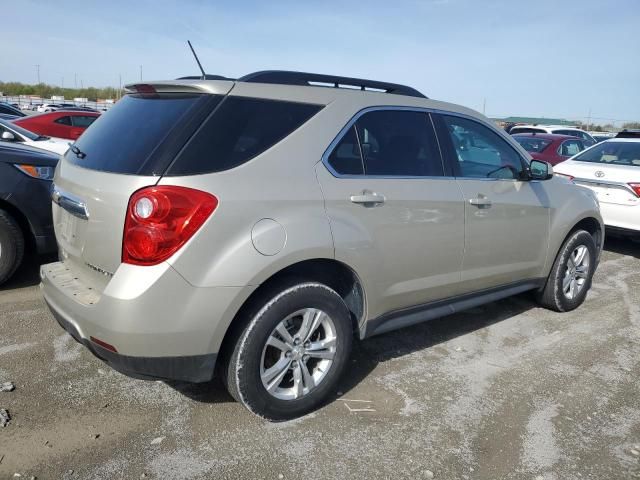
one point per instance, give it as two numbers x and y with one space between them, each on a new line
289 358
571 274
11 246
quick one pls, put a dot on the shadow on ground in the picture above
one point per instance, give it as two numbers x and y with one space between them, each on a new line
367 354
28 274
623 245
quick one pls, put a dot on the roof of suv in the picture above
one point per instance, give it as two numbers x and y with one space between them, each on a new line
306 88
284 77
546 136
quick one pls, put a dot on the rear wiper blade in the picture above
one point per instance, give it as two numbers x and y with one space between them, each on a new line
79 153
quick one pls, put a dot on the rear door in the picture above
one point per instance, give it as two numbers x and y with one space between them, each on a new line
129 149
396 215
507 218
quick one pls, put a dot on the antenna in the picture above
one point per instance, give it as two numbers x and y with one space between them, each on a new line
204 75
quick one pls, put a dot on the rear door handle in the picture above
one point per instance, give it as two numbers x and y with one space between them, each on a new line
368 198
480 202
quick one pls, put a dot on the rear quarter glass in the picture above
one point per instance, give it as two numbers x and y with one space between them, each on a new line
239 129
142 134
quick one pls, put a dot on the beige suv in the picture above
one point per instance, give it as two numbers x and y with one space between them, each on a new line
253 227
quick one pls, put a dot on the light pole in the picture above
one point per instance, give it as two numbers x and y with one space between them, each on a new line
140 72
38 73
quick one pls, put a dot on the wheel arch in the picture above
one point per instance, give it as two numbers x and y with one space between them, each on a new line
22 221
589 223
330 272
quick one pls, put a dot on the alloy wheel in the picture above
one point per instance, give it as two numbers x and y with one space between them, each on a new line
298 354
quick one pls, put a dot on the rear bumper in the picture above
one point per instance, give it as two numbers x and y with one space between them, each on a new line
196 368
161 326
624 218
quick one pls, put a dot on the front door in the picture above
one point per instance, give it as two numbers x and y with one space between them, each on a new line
395 218
506 215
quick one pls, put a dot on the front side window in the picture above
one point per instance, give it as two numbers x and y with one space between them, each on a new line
480 152
569 148
399 143
614 153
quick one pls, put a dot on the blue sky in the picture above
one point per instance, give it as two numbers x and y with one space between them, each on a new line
554 58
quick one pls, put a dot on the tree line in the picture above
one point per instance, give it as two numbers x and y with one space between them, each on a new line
46 91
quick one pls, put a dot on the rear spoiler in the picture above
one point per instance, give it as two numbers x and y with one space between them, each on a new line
218 87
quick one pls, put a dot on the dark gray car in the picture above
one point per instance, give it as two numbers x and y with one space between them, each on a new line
25 204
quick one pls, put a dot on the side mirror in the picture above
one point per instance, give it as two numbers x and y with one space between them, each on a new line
539 170
8 136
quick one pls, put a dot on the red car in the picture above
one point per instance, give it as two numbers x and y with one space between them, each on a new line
549 147
61 123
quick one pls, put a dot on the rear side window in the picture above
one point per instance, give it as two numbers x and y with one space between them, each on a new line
570 148
63 121
138 134
83 121
532 144
239 130
399 143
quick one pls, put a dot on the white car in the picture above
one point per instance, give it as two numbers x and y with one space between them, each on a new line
10 132
612 170
49 107
557 129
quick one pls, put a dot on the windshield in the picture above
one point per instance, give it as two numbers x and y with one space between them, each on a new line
21 131
613 153
532 144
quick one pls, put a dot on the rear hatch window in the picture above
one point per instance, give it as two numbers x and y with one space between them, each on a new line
141 134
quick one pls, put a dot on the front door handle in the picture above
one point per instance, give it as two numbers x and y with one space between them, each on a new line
368 198
481 202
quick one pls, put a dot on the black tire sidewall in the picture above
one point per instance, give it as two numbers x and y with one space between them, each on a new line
576 239
247 361
10 252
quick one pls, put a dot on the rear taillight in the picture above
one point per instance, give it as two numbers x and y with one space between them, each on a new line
160 220
636 188
568 177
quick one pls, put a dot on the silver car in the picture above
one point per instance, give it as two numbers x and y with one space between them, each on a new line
252 228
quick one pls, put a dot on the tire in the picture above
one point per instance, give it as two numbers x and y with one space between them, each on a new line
253 362
555 296
11 246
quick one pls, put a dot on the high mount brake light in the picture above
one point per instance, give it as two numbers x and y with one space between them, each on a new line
143 88
160 220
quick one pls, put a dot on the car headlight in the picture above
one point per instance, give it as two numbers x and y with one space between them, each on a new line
35 171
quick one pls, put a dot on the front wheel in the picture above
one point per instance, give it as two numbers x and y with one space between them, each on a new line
289 358
571 274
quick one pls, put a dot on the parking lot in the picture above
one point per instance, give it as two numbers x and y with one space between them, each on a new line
506 391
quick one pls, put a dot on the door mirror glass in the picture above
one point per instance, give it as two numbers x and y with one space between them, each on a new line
8 136
540 170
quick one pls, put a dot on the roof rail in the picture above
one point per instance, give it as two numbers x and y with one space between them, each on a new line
320 80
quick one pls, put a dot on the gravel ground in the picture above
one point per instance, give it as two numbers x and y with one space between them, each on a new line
506 391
